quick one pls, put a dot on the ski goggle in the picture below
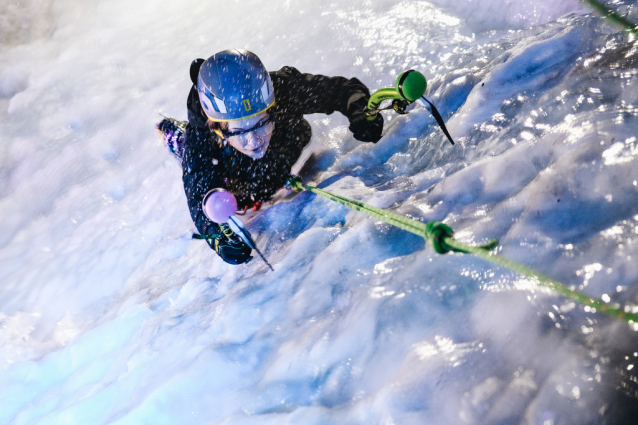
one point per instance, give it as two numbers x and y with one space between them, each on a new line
227 134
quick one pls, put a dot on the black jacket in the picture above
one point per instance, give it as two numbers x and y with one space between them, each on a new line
208 165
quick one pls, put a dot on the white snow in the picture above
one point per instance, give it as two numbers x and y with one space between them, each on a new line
110 313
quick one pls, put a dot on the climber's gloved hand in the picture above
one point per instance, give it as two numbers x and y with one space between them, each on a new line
230 246
219 205
365 129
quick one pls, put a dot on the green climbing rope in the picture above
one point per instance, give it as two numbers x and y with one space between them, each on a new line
441 236
612 16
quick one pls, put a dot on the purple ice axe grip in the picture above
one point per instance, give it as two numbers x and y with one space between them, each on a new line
220 206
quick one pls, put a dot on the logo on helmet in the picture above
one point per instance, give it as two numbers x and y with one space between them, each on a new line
247 106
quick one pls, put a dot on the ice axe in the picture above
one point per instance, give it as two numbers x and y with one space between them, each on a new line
238 227
409 87
219 205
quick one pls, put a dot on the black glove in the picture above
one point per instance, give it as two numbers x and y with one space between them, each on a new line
366 130
229 246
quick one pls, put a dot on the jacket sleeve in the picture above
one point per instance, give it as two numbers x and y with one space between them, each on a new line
311 94
201 172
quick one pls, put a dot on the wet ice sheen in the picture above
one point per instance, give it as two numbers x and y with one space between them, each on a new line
110 313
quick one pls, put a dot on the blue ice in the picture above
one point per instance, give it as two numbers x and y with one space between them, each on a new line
111 314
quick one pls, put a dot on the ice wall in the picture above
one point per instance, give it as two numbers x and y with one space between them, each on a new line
110 313
493 15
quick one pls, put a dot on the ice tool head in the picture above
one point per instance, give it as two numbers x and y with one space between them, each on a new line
410 85
234 85
219 205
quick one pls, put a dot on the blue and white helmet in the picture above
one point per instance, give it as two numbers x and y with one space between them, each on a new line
234 85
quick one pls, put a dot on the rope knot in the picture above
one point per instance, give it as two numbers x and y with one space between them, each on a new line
295 183
438 231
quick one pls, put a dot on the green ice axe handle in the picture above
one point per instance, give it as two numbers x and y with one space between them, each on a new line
410 85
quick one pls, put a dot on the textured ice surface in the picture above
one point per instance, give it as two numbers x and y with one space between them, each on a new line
110 313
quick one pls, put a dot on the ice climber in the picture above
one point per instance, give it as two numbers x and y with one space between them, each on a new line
246 130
